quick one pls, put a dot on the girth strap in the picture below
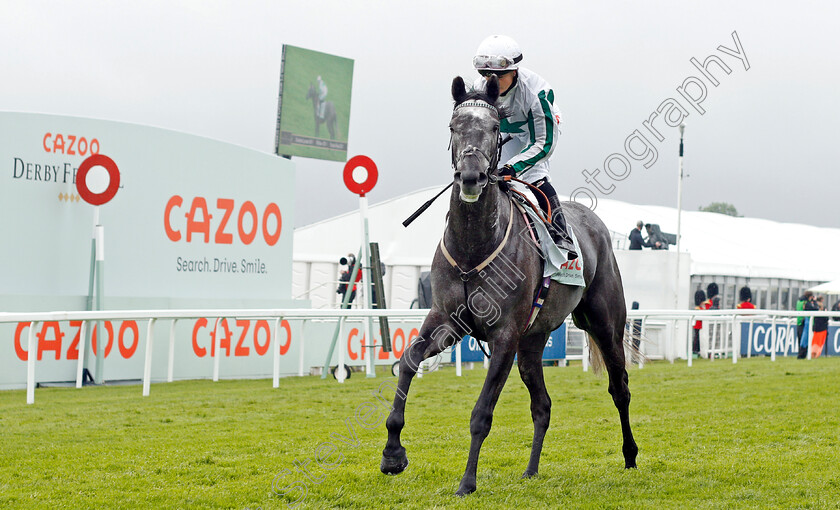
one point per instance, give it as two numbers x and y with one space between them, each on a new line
538 301
466 275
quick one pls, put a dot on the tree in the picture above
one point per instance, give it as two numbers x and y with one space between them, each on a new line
721 208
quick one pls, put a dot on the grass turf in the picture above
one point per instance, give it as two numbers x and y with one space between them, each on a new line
756 434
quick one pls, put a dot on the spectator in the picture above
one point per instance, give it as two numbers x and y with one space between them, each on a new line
635 327
800 305
836 308
655 239
745 296
820 331
344 279
636 241
699 298
713 301
810 305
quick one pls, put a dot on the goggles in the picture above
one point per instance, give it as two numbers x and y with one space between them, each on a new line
494 62
486 72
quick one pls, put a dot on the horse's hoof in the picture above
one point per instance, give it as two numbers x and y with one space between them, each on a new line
630 465
393 465
464 489
529 474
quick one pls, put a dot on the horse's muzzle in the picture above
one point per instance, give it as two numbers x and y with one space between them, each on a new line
471 182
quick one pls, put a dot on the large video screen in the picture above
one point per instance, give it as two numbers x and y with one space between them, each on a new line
313 113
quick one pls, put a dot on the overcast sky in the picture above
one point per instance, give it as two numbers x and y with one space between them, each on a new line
767 141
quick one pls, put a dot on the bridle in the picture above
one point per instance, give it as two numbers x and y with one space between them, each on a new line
492 162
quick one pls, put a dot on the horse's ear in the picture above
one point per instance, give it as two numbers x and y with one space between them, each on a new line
459 90
493 88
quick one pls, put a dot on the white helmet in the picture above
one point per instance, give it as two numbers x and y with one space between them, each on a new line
497 53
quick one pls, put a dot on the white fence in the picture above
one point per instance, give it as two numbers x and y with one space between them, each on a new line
671 344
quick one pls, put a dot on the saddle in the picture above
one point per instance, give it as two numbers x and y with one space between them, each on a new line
556 264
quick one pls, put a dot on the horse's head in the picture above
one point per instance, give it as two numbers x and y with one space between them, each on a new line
475 137
311 94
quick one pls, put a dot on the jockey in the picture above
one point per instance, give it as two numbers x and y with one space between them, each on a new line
322 95
533 124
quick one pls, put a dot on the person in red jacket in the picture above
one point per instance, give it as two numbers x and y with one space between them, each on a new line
699 298
745 295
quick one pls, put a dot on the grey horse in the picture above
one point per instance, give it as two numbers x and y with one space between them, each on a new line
485 274
329 113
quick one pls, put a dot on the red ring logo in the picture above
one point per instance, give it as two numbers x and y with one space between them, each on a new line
113 173
360 188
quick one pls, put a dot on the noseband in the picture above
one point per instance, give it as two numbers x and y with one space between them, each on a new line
492 162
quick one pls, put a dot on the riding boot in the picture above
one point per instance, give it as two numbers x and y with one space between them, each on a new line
558 232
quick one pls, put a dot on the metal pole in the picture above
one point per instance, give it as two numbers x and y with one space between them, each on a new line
276 354
86 345
690 334
147 367
302 343
679 216
218 348
30 364
458 358
366 286
340 375
80 364
170 370
100 286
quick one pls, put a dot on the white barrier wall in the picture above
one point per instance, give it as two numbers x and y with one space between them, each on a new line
650 277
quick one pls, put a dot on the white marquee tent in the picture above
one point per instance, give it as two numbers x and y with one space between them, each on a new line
718 245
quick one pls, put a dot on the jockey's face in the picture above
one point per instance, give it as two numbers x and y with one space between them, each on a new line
505 80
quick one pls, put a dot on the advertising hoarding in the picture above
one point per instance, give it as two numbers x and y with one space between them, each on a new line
195 223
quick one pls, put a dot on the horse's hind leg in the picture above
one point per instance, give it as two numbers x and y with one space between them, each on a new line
436 334
531 371
605 323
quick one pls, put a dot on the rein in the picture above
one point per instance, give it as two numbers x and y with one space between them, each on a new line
491 178
531 204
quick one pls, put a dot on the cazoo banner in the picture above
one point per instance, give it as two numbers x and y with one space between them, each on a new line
195 223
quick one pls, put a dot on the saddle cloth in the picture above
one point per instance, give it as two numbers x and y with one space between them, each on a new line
556 263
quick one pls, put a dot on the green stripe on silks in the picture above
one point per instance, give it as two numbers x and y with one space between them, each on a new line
532 130
511 127
545 104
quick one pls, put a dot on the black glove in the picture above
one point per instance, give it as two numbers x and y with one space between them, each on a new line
507 170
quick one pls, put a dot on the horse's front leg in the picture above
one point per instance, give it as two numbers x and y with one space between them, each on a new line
531 371
501 361
436 334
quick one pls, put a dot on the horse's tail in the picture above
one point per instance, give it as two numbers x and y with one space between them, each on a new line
632 353
596 359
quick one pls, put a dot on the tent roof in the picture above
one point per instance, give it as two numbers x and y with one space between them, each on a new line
832 287
718 244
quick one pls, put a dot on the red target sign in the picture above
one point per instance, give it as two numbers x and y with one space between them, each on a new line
113 184
351 171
